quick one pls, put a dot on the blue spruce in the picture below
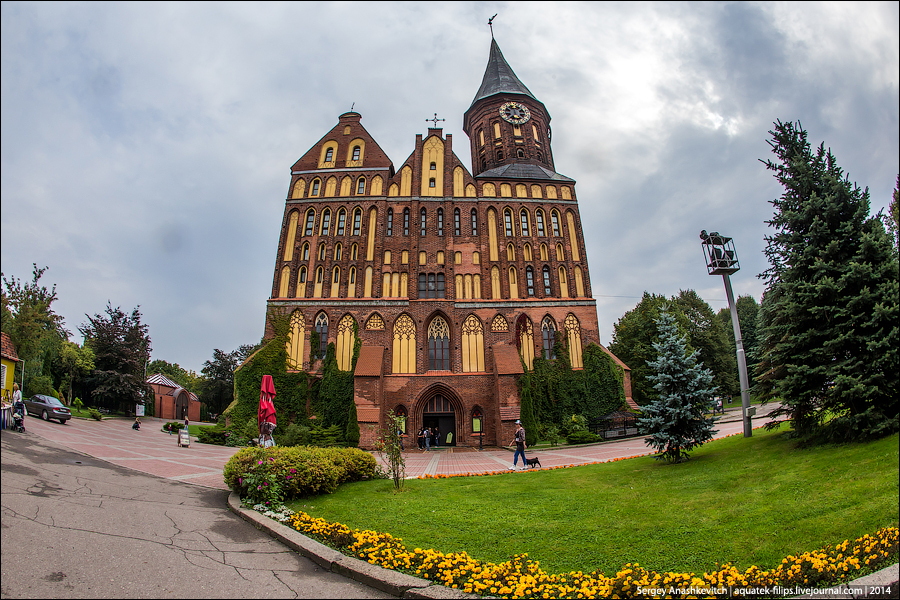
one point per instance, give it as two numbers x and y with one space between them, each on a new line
676 421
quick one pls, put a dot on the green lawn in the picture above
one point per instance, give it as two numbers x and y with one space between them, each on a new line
748 501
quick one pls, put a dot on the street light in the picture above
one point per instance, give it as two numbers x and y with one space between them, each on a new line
721 259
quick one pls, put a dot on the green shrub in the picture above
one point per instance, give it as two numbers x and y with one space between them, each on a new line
173 427
211 435
95 414
251 429
298 471
582 437
326 436
294 435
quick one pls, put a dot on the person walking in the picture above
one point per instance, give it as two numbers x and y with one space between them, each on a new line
437 436
519 440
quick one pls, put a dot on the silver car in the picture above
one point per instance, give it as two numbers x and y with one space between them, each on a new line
48 407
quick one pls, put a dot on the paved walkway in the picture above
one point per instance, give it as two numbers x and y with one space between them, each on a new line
152 451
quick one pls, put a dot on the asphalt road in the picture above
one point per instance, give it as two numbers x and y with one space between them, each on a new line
73 526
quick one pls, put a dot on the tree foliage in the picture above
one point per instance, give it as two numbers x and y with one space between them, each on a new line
186 379
748 313
34 329
829 316
676 420
636 333
121 347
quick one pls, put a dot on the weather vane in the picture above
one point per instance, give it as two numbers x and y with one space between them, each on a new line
491 25
435 119
351 106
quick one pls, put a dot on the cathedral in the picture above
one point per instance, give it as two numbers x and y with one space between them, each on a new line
452 278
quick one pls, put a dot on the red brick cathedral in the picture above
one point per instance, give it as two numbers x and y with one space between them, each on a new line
452 277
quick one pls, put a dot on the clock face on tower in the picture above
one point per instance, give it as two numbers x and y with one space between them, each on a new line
515 113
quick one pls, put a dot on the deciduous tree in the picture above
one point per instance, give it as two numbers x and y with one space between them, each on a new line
121 346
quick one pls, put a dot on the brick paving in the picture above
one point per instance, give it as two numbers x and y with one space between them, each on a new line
152 451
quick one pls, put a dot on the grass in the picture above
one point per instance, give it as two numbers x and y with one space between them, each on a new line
746 501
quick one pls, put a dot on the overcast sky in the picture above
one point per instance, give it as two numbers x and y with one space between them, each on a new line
146 148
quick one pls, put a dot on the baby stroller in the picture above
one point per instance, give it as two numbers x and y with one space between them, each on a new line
19 418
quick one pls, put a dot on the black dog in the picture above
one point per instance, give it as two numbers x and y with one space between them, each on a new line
531 462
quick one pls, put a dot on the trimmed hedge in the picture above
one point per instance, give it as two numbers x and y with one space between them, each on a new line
301 470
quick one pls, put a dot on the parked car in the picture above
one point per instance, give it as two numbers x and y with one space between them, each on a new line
48 407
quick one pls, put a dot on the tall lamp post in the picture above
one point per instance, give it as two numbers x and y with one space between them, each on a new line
721 259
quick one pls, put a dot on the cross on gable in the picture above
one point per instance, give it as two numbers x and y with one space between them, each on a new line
435 119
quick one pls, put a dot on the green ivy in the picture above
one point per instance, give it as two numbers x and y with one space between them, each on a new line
330 398
554 391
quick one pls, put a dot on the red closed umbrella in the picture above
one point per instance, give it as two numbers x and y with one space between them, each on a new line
266 412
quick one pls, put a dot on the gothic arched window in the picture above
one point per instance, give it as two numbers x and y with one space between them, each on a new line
548 337
438 345
322 331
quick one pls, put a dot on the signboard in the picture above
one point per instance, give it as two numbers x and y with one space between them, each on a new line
139 410
184 438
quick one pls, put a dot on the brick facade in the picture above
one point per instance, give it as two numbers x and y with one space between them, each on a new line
503 239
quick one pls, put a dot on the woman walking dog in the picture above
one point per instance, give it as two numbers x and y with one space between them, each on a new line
519 440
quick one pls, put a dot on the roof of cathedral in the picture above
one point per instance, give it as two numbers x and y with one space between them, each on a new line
524 171
499 77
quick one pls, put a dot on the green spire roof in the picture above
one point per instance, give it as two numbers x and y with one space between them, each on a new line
499 77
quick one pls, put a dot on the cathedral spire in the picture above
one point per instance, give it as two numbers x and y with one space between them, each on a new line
499 77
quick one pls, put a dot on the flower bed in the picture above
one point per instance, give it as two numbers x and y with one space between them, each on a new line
521 577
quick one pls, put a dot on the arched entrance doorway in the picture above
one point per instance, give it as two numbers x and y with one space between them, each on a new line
438 412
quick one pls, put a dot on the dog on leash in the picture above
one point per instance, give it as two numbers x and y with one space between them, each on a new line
531 462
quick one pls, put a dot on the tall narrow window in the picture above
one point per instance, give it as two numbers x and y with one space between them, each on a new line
507 220
304 253
356 151
438 345
547 290
310 222
321 252
354 252
405 221
440 223
322 330
357 221
424 218
342 219
326 221
315 188
523 219
573 337
554 222
529 280
338 251
390 222
474 222
539 217
456 221
360 186
329 154
548 337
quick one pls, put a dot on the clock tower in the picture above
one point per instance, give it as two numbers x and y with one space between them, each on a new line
508 126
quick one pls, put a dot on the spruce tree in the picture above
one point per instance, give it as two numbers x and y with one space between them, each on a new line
829 317
676 421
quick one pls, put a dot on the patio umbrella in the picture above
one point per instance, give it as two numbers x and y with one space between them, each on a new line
266 412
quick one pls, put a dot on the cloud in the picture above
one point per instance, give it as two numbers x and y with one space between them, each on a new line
146 147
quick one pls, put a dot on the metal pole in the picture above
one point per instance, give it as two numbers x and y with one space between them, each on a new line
741 360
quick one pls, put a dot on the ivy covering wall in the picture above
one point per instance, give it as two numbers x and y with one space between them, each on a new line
300 398
552 391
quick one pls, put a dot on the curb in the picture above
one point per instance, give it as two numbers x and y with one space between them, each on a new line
881 584
392 582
